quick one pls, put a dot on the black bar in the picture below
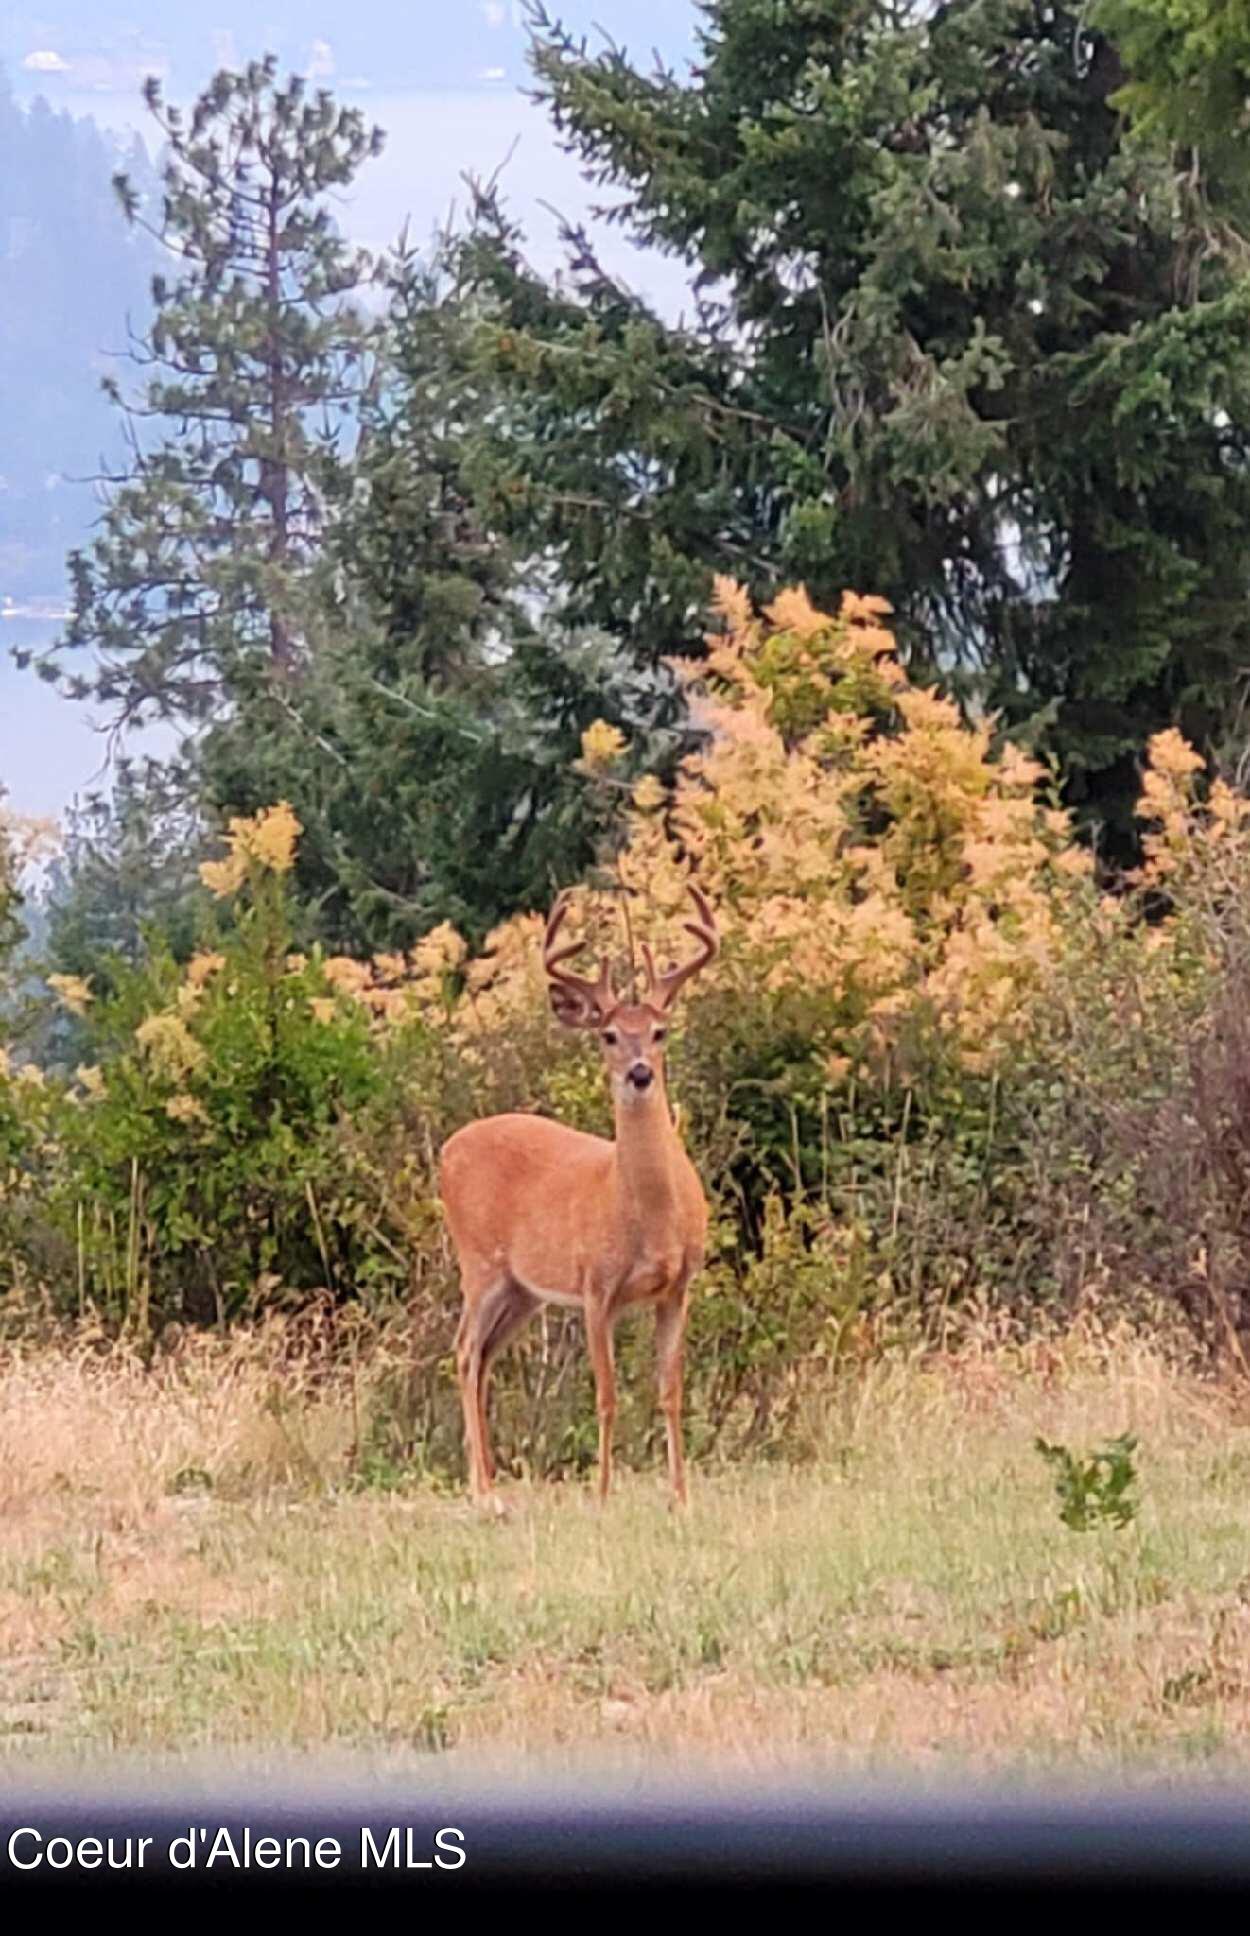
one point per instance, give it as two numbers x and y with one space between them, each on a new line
602 1844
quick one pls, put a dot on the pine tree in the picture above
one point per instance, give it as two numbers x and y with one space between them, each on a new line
1187 81
956 341
430 751
127 867
10 899
440 586
195 591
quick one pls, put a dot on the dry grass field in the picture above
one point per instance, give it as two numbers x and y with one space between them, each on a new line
187 1569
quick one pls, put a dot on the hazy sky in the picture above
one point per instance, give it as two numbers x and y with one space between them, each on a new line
104 46
443 77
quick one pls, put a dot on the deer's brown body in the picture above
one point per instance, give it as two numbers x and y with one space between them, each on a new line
540 1213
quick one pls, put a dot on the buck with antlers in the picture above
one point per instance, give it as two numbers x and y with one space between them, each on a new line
540 1213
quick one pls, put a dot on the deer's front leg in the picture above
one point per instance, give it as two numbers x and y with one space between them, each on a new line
599 1345
670 1339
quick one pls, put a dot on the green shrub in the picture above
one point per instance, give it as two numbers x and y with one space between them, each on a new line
933 1068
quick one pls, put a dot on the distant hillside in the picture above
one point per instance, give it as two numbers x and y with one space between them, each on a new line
71 272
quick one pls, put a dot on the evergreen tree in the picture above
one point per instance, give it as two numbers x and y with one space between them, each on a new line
195 590
419 807
10 899
1187 81
440 587
430 752
955 341
128 865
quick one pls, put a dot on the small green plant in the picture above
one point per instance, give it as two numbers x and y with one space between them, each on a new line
1097 1489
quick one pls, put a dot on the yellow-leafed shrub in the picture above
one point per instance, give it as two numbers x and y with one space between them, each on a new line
909 1077
865 850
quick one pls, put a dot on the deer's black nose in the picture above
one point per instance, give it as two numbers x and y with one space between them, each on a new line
640 1075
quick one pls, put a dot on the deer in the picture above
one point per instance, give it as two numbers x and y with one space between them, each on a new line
541 1214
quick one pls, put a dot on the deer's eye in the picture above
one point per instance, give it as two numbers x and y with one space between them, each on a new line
611 1037
660 1035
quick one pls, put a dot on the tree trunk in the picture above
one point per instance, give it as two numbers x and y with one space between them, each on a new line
275 481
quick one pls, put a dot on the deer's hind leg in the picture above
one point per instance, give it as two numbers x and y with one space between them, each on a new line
511 1314
487 1322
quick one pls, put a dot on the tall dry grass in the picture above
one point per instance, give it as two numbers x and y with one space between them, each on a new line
197 1557
281 1406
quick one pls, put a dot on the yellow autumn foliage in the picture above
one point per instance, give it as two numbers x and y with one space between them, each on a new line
870 854
1202 841
878 866
169 1046
602 746
266 841
864 847
904 910
72 991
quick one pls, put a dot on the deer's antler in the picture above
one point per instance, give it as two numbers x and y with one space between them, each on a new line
574 1001
663 988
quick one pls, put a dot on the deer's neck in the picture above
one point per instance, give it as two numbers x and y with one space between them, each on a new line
648 1151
